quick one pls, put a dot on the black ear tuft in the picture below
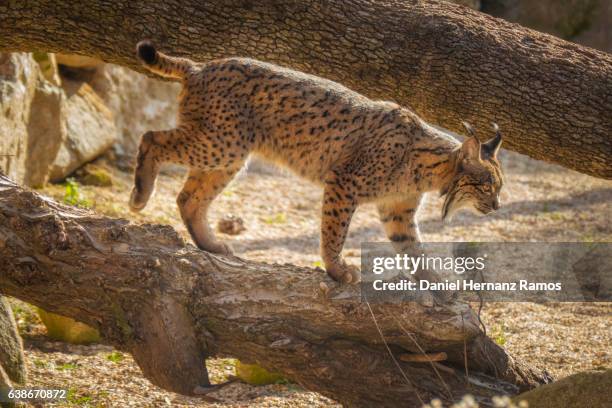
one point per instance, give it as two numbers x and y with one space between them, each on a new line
490 148
468 128
146 52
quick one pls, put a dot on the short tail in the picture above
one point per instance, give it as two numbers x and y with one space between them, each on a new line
161 64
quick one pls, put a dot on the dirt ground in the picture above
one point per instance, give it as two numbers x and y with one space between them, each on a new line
540 202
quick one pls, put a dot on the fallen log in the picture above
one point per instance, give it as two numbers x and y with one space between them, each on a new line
172 305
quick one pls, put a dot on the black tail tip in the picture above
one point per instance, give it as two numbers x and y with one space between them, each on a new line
146 52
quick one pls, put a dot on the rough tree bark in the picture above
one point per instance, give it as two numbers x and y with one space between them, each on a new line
12 364
551 98
172 305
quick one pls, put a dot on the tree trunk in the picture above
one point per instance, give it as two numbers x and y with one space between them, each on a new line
12 363
172 305
552 99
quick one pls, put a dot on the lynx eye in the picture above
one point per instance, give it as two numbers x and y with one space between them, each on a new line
486 188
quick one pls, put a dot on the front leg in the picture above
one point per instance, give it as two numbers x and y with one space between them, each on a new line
399 221
338 208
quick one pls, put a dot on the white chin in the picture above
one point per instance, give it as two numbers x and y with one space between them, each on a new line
473 210
456 207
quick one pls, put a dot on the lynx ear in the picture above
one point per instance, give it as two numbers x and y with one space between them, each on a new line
468 128
490 148
471 148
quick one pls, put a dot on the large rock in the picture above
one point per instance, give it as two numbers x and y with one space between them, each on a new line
580 390
90 131
78 61
138 103
65 329
49 127
18 79
46 132
11 349
47 63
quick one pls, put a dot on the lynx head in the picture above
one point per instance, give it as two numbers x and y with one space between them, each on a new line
477 178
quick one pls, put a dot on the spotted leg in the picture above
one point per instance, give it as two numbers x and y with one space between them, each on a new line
155 148
200 189
399 221
338 208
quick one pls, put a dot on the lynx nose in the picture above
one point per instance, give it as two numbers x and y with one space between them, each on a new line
495 204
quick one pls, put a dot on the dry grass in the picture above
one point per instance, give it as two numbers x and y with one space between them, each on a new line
540 203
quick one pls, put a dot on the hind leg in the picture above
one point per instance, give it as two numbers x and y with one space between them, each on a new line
399 221
188 145
153 151
199 191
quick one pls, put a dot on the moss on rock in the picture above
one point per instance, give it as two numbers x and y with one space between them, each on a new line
68 330
256 375
587 389
92 175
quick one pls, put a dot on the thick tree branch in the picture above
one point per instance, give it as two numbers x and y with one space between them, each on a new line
172 305
552 99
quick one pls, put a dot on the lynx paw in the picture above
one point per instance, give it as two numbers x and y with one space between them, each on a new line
344 273
216 247
136 202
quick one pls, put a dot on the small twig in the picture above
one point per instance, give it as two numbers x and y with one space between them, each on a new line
484 328
392 356
465 358
444 368
424 357
467 372
94 243
480 305
212 260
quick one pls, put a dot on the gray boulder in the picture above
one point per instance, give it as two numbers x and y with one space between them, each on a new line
138 103
46 132
18 78
90 131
